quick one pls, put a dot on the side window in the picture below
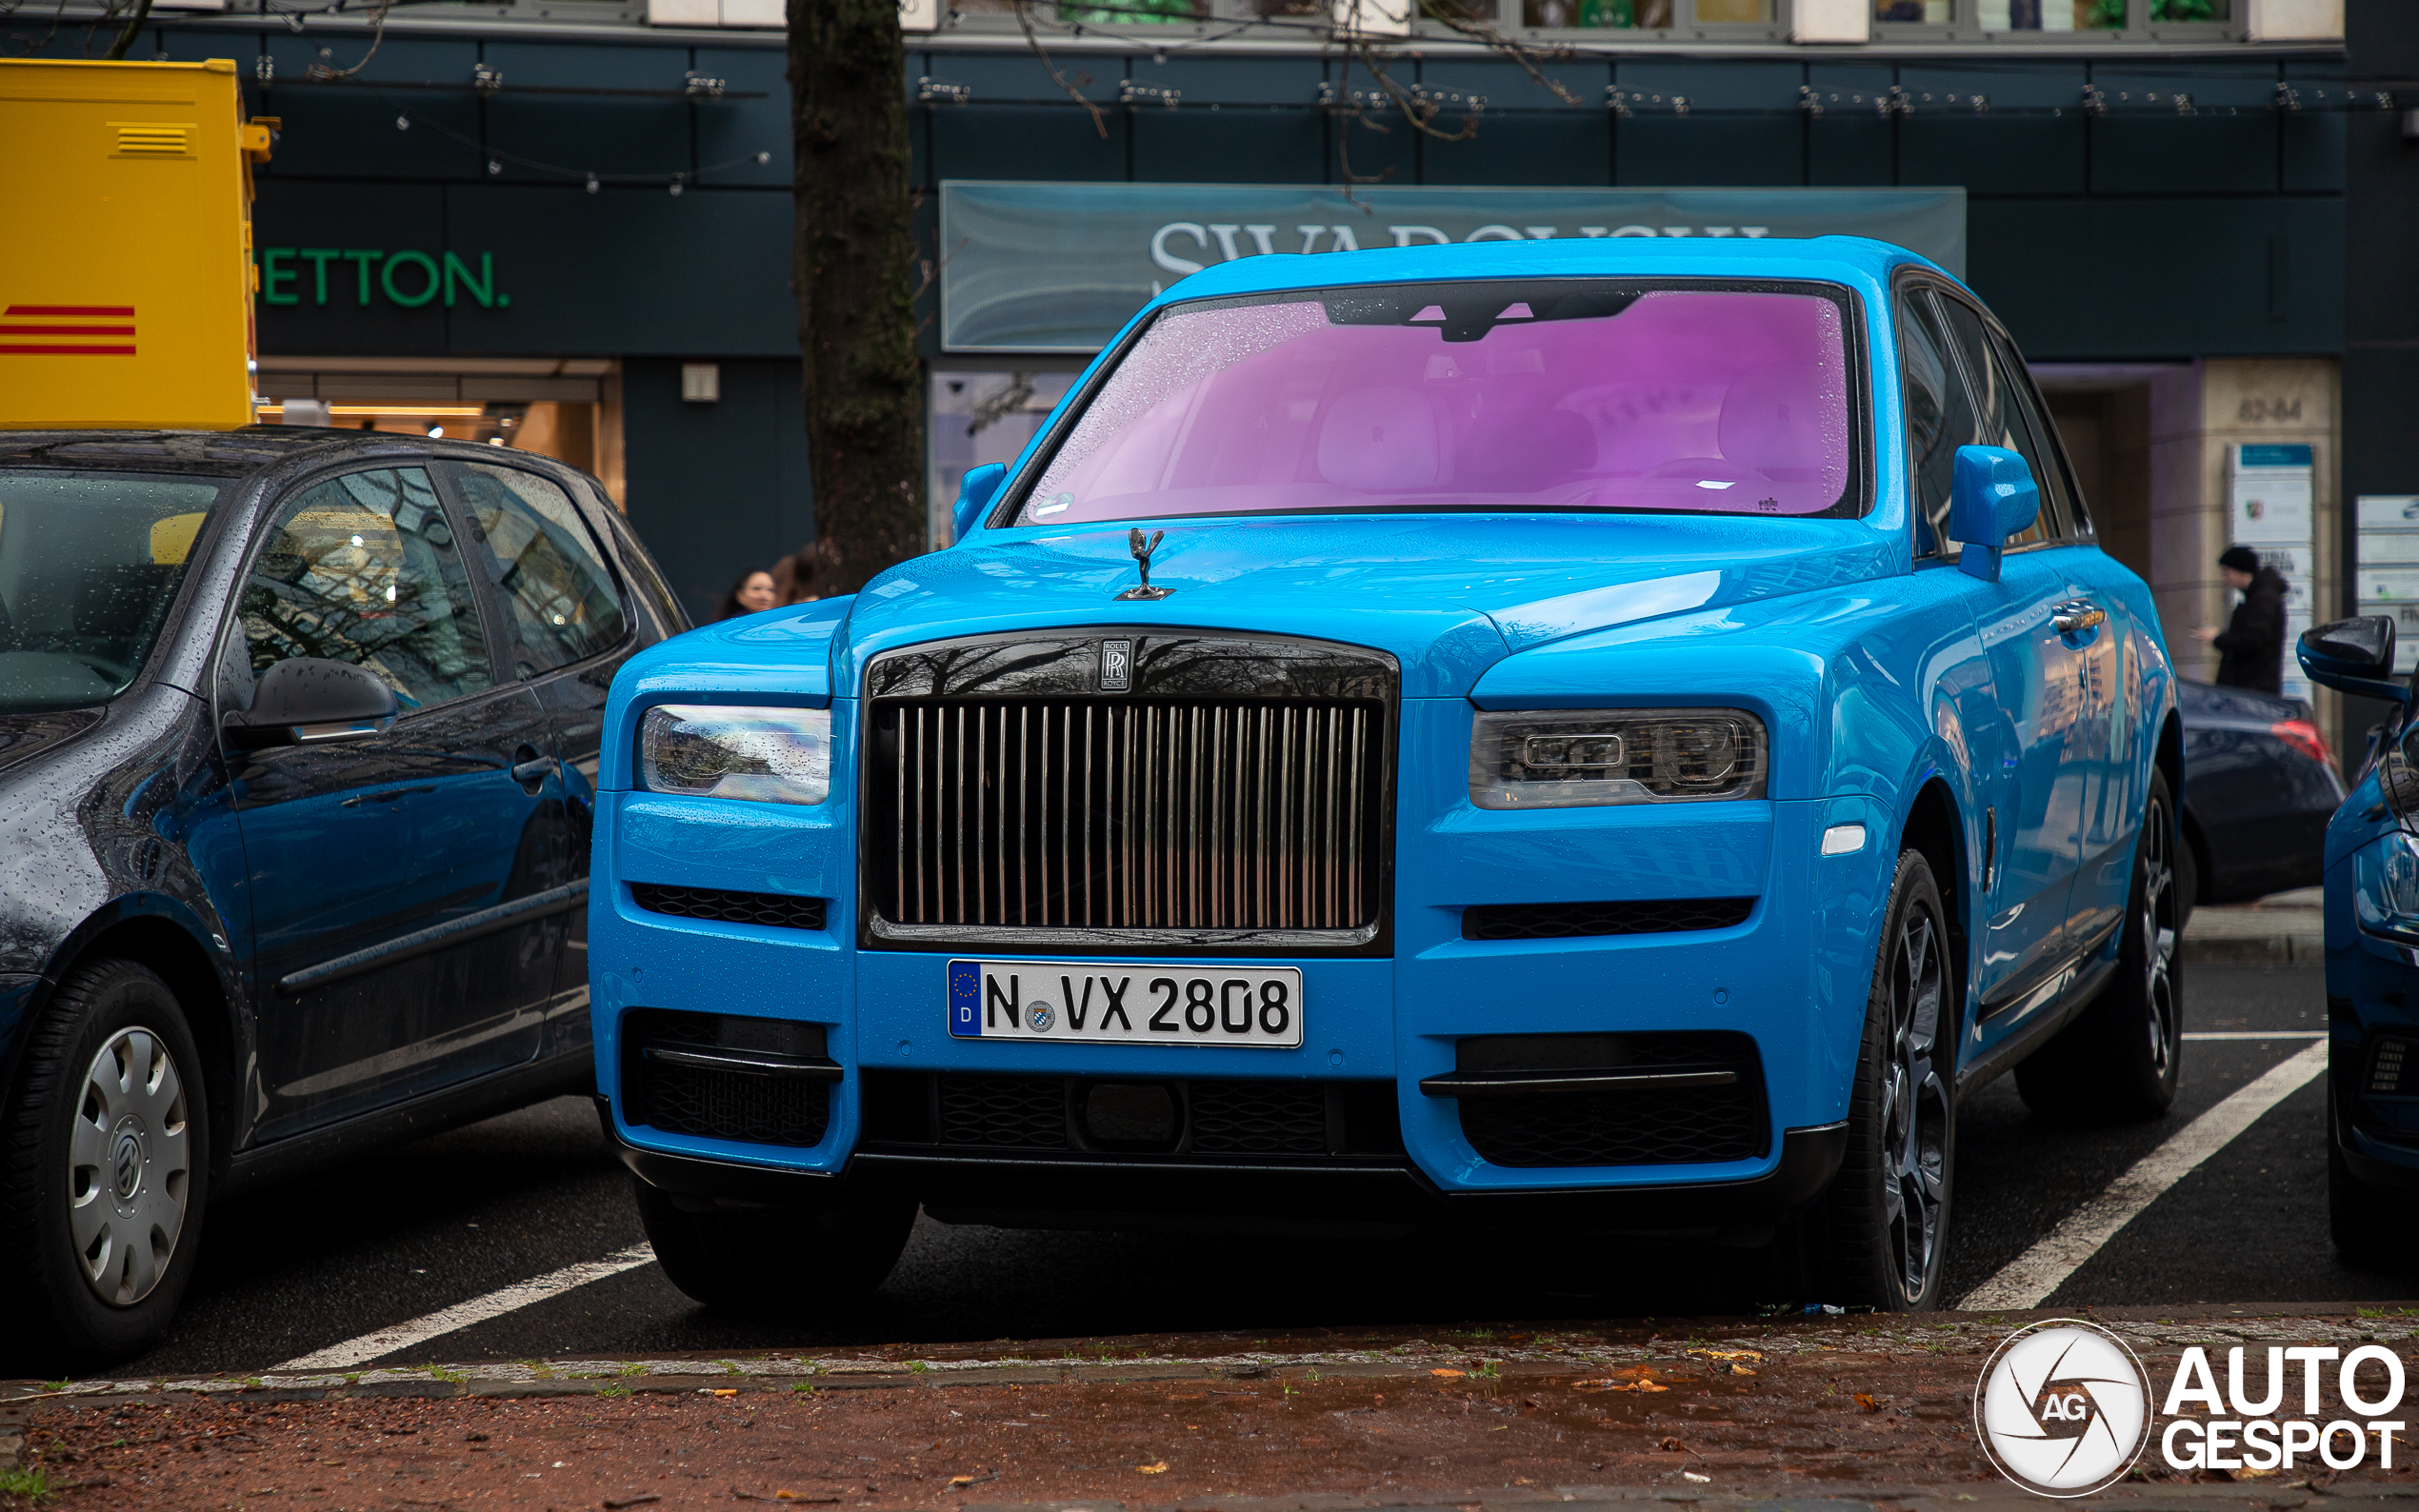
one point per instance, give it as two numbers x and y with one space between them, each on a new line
1939 419
1999 421
545 562
363 569
2049 456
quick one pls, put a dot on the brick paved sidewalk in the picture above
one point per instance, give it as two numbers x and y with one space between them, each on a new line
1836 1415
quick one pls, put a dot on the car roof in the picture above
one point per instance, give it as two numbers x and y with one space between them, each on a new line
1827 258
225 454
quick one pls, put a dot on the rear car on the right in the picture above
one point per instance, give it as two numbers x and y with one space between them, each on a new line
2372 957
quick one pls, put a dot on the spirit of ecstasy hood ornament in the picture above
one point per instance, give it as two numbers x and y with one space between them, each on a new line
1142 548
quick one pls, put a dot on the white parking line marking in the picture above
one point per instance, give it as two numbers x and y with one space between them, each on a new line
2256 1034
2028 1279
463 1314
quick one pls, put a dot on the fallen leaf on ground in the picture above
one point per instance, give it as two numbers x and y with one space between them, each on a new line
724 1391
1447 1374
1692 1475
1161 1468
1865 1401
972 1480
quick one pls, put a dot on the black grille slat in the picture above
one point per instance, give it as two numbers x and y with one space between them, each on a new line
1259 1118
1135 814
735 1105
770 909
1684 1127
1564 921
1005 1112
1248 1120
1666 1126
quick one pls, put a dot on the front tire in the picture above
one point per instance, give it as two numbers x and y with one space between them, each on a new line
2123 1056
1879 1236
104 1171
776 1260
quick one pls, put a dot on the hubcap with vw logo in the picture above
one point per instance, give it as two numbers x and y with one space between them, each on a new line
130 1167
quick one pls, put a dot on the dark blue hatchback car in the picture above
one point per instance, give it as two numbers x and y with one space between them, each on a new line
298 732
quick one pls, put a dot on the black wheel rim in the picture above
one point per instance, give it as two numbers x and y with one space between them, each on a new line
1915 1112
2156 922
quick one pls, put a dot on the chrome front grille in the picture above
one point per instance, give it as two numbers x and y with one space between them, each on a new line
1091 814
1046 815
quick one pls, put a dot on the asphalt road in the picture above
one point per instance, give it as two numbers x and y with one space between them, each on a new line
426 1225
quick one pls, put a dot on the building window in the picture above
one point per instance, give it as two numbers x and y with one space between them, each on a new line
2050 15
1644 15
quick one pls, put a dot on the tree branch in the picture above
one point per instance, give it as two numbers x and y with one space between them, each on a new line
1033 39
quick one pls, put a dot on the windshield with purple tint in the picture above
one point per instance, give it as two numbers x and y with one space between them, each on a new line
1494 394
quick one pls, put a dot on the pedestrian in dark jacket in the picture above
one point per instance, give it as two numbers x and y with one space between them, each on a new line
2251 647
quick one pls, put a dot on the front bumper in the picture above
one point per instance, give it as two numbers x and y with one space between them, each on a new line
1794 977
1141 1193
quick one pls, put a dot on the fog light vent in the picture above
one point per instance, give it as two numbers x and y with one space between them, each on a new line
2385 1067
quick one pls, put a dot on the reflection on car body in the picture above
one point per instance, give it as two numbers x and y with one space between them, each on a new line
2260 785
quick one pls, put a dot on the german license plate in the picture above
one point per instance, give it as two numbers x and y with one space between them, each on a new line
1095 1002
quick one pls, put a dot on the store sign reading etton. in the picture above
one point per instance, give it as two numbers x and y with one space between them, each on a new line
1058 267
317 275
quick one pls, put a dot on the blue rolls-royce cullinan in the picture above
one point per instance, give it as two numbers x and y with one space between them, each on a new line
1618 733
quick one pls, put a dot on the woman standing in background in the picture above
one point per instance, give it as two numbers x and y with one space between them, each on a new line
753 594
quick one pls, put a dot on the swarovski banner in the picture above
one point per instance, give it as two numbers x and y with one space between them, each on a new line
1058 267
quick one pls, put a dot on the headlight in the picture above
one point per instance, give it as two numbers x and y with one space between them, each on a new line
767 755
1572 758
2385 886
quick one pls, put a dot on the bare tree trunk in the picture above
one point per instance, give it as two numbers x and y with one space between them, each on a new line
856 258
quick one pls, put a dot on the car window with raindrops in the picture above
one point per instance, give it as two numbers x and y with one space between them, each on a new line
363 569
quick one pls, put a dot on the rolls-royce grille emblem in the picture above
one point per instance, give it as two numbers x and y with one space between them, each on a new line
1142 545
1116 665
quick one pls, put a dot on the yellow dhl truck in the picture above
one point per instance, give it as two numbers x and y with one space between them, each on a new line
126 277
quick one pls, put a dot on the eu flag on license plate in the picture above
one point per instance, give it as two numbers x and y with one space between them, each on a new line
966 997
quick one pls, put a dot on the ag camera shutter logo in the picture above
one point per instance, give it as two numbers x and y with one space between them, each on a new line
2063 1408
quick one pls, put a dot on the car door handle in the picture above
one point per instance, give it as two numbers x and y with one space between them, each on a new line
2077 615
536 769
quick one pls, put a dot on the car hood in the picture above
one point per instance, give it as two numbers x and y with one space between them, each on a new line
1449 595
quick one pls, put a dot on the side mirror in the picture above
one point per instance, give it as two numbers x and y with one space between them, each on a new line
975 495
1991 496
2354 656
306 701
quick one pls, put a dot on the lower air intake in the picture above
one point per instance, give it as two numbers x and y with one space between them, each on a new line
1661 1126
1564 921
768 1092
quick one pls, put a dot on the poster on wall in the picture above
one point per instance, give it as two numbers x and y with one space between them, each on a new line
2387 577
2269 499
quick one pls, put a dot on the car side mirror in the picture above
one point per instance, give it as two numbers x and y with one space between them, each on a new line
1991 496
307 701
2354 656
975 495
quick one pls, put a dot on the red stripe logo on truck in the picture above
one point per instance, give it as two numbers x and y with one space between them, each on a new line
68 330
